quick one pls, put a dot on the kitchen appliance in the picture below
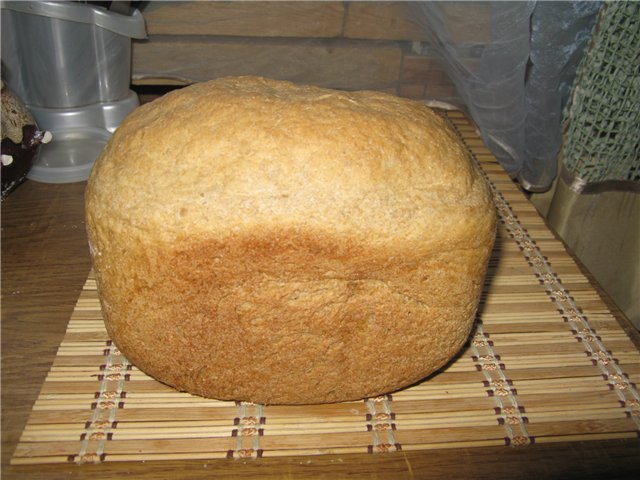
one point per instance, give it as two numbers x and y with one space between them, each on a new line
70 62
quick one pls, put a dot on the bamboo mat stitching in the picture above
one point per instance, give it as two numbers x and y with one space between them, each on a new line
250 422
617 379
99 429
501 389
380 422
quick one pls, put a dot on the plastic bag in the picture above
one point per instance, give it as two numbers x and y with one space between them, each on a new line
513 64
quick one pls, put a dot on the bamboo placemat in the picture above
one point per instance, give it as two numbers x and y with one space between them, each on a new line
547 362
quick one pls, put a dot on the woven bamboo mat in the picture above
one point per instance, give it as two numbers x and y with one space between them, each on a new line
548 362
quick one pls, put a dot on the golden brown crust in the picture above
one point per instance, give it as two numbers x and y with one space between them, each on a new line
255 240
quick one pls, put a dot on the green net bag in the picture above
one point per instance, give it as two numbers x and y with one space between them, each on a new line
601 142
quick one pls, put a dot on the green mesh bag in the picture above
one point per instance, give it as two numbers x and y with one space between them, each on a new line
601 142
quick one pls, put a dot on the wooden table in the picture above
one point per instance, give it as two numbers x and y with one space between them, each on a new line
45 262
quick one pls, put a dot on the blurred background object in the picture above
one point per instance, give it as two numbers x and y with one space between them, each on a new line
21 139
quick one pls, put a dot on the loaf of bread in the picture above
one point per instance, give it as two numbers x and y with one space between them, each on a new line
260 241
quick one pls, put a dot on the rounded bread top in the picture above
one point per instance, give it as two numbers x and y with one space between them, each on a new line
239 153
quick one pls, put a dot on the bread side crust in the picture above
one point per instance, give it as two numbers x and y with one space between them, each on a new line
280 319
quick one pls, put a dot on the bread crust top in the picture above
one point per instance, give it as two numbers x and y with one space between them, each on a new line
240 153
